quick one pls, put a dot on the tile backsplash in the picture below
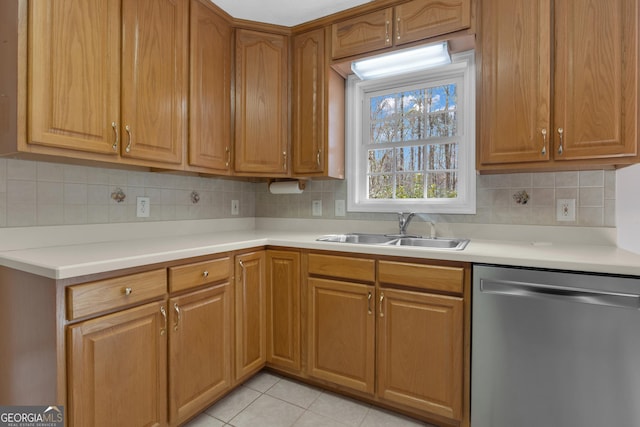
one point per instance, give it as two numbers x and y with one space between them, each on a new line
42 193
594 192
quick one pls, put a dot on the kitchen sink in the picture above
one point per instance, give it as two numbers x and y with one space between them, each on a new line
395 240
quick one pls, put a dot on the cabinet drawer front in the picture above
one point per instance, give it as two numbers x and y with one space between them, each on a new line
105 295
343 267
198 274
432 277
362 34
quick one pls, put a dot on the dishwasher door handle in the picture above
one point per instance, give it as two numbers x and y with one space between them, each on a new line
522 289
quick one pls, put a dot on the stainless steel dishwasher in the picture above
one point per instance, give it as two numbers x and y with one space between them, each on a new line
554 349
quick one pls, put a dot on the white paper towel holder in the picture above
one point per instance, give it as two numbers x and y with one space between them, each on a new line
287 187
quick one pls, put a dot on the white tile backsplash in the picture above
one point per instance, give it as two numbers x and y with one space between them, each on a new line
43 193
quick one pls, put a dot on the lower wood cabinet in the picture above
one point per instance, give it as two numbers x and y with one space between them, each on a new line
342 333
117 369
200 337
250 314
283 309
420 351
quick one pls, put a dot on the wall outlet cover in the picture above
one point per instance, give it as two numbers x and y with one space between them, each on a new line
340 208
143 207
566 210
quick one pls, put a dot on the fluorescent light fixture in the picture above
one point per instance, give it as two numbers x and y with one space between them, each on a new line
404 61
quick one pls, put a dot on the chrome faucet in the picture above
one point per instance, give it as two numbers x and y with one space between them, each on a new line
403 222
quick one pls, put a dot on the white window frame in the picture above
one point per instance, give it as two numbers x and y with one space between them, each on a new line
462 69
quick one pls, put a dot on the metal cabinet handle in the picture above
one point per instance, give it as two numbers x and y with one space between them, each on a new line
387 39
242 268
544 142
114 126
205 274
177 310
128 130
381 301
127 291
369 303
398 28
228 151
284 155
561 133
164 315
318 157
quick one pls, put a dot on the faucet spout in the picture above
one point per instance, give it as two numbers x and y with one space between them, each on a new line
403 222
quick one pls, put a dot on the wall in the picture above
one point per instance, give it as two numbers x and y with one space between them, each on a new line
628 208
594 192
41 193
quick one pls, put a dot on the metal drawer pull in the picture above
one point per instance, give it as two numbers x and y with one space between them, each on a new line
128 291
115 129
561 133
228 151
369 303
205 274
381 301
544 140
177 309
398 29
128 130
164 315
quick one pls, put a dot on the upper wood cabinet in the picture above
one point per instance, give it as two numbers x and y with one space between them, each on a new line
108 78
594 80
317 110
74 62
210 141
261 107
154 79
395 26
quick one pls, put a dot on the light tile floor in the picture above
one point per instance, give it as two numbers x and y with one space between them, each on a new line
268 400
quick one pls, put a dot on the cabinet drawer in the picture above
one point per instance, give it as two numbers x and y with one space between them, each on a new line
431 277
342 267
198 274
110 294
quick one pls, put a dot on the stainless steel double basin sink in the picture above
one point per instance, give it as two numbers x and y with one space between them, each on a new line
396 240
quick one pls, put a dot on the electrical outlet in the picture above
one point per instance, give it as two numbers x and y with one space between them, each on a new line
235 207
566 210
143 207
316 208
340 209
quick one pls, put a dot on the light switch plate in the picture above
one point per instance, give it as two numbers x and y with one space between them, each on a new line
340 209
235 207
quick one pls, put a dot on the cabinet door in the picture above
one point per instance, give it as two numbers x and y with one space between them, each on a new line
420 351
596 84
74 69
342 333
210 93
250 314
200 350
362 34
261 86
515 89
154 79
283 309
421 19
117 369
308 103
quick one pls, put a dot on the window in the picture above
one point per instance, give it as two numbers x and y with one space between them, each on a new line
411 142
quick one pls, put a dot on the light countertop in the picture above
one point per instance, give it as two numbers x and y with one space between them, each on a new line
73 259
